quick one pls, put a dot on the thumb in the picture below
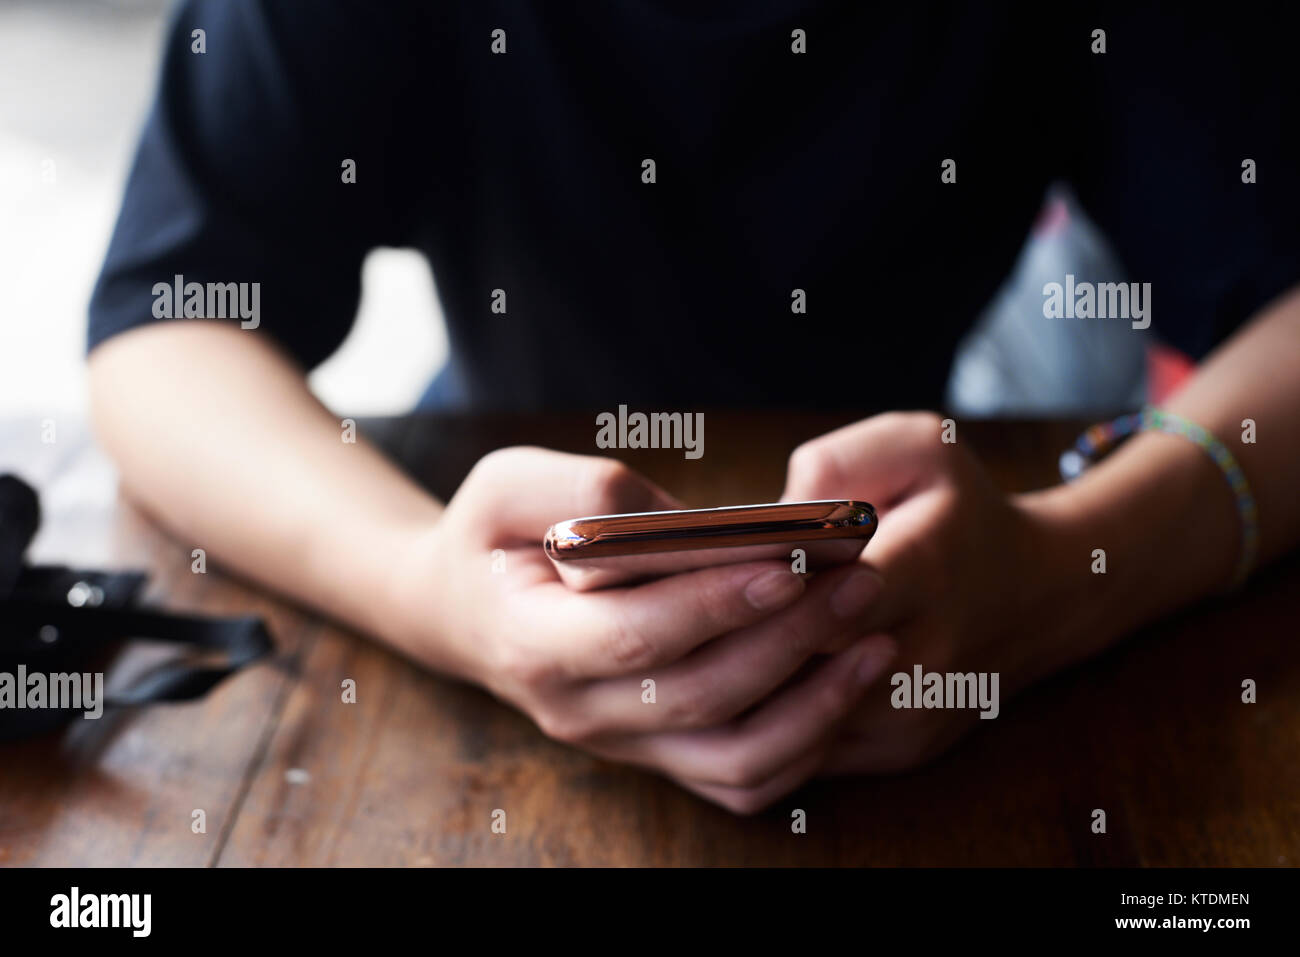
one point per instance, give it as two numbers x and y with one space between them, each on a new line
521 491
881 460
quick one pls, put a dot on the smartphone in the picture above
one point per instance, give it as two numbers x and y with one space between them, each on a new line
603 550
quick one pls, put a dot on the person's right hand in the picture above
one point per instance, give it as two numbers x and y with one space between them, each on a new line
742 711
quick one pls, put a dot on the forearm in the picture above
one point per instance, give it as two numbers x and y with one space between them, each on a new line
1162 509
216 433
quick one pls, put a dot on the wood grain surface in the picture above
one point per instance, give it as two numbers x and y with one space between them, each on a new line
1153 731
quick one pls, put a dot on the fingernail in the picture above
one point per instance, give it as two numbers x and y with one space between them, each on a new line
855 593
774 589
875 658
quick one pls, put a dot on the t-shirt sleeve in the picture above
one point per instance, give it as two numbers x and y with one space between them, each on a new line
239 174
1184 135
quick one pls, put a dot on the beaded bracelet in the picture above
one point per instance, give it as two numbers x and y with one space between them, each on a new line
1101 438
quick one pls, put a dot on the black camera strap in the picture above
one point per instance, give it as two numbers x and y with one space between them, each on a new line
59 619
238 642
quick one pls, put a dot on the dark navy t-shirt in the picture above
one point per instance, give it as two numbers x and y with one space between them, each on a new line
774 171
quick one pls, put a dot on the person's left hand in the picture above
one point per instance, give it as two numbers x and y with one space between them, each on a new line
969 576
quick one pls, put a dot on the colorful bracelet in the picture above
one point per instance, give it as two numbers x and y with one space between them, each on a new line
1101 438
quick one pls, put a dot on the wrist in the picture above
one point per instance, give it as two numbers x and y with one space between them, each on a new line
422 597
1064 605
1149 529
365 571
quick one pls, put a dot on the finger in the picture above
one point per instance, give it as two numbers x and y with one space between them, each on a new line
728 675
871 743
903 552
880 460
755 799
749 751
885 741
519 492
623 632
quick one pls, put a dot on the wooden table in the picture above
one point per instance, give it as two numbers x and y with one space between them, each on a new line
1154 731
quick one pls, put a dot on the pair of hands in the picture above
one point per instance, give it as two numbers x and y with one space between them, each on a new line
763 679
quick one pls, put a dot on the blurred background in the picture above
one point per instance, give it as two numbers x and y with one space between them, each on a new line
76 78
